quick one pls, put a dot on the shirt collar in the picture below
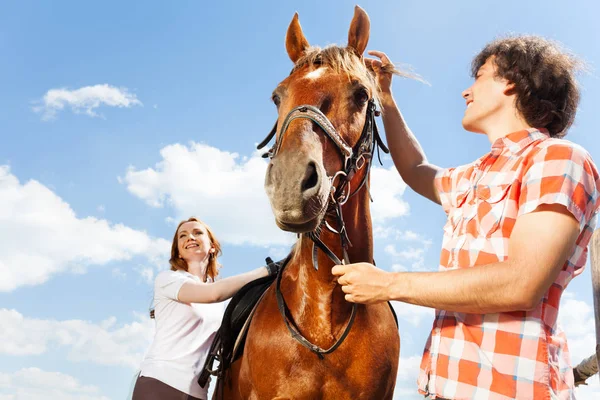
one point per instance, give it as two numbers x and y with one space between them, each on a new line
517 141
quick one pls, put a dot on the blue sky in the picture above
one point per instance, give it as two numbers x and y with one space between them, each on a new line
162 105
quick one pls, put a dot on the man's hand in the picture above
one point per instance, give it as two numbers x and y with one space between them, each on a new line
363 282
383 69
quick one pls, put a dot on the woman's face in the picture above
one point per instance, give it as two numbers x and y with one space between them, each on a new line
193 241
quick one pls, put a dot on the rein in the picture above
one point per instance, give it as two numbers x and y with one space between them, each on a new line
355 158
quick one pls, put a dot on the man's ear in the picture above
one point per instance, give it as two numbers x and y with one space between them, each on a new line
510 88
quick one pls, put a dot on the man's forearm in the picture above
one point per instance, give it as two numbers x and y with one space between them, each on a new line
404 147
485 289
407 154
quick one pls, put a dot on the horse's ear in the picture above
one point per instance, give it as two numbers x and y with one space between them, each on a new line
358 35
295 42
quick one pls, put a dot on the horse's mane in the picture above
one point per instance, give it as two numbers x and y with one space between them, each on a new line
344 60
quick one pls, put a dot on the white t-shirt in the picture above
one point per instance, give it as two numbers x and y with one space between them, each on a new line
184 334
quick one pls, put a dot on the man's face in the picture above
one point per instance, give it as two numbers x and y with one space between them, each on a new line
485 98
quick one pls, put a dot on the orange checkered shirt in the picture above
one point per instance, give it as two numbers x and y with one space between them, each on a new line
510 355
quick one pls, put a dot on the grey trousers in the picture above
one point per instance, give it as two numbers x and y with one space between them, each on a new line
152 389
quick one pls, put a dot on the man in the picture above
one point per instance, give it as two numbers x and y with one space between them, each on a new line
519 221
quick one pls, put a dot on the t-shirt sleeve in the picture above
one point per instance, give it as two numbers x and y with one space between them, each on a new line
168 283
450 182
565 174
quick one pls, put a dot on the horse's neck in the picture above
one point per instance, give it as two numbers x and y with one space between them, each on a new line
315 297
357 219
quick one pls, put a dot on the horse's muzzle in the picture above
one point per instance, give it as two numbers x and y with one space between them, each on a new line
298 189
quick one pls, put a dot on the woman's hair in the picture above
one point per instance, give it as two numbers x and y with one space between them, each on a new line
544 77
178 263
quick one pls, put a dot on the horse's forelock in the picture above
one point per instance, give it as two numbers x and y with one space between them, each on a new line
340 60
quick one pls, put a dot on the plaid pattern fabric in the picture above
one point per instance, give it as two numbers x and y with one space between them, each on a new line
513 355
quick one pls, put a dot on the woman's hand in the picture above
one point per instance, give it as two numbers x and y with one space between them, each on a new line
273 268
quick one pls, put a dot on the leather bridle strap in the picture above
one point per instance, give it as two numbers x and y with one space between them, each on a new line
285 312
267 140
314 114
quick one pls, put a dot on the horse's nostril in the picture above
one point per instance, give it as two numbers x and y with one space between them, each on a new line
311 177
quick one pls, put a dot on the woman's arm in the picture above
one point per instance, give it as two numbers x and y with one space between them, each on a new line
200 292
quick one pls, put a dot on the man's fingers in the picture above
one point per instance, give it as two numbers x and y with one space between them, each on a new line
372 64
346 289
342 280
372 61
384 58
338 270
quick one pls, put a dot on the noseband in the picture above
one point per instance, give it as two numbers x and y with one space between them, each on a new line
355 158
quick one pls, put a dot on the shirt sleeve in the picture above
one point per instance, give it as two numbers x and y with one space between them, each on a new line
450 184
168 283
561 173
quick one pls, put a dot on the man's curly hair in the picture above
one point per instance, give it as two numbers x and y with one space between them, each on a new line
544 76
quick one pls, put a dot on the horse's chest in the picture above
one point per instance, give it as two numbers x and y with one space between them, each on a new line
278 366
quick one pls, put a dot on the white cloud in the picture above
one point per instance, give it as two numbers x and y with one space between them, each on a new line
392 233
409 254
278 253
406 381
36 384
577 320
576 317
413 314
41 236
216 186
590 391
85 100
387 189
227 192
147 273
413 256
399 268
117 273
106 343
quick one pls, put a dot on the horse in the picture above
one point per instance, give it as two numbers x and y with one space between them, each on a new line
304 340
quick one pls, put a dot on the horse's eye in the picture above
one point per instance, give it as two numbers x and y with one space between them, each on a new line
276 100
361 96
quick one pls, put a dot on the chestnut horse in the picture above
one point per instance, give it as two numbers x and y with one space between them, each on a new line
305 341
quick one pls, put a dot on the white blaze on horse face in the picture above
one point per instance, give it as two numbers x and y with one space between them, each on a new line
315 74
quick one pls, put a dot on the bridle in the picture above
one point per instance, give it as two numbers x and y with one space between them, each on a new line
355 158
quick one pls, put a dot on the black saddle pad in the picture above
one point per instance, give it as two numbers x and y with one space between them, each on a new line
236 314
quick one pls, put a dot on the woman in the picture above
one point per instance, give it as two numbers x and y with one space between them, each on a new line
188 313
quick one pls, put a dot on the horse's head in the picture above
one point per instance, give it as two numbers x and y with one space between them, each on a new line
307 154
